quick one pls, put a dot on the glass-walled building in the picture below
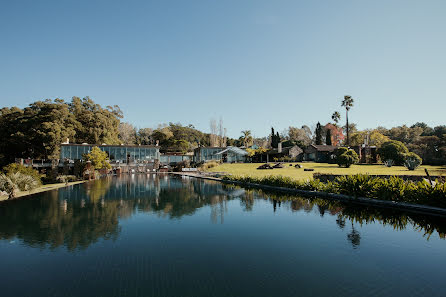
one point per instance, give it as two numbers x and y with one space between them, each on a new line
123 154
228 154
173 159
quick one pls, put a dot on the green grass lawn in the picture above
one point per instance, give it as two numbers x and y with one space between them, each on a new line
291 171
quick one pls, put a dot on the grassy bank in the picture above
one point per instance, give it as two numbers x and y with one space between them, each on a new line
40 189
361 185
249 169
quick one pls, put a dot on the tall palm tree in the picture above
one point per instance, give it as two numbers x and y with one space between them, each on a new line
246 137
336 117
347 103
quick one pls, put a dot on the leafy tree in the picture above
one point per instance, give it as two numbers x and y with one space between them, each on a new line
95 125
98 158
51 124
404 134
300 136
393 150
181 145
318 133
189 134
429 148
375 138
427 131
440 132
346 157
35 131
347 103
144 136
127 133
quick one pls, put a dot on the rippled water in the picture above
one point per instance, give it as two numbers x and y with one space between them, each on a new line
169 236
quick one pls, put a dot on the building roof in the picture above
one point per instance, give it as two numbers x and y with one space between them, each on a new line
285 150
234 150
323 147
110 145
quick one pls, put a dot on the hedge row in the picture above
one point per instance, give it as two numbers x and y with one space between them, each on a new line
361 185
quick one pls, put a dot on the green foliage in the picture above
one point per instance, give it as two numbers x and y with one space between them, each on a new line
413 161
208 165
18 168
17 182
38 130
346 157
275 138
178 138
66 178
318 133
393 150
94 124
253 152
99 159
361 185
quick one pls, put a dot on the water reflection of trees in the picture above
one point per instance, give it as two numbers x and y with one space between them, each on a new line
399 220
52 222
79 216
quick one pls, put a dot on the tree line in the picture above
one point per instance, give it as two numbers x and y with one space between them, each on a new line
37 131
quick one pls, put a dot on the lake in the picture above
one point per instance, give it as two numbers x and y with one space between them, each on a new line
160 235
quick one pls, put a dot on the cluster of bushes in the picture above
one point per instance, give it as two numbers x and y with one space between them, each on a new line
360 185
16 177
284 159
396 153
66 178
208 165
180 165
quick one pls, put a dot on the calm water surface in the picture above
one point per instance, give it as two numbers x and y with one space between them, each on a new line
168 236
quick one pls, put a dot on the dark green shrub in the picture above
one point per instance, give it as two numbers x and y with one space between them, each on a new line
339 151
18 168
393 150
360 185
413 161
348 158
66 178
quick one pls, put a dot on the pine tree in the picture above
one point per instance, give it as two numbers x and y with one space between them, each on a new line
275 139
328 137
318 133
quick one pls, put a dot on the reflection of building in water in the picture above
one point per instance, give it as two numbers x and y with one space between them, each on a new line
218 208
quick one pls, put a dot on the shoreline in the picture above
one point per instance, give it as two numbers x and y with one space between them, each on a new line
41 189
416 208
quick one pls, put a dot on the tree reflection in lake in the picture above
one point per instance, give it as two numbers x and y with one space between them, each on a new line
78 216
399 220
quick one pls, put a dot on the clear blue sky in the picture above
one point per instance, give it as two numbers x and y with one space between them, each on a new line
255 63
